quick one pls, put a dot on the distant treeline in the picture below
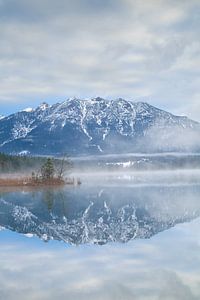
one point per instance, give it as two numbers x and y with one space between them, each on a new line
16 163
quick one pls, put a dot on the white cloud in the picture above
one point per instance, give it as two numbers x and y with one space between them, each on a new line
123 48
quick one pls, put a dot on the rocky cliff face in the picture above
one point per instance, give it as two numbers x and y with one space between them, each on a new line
96 126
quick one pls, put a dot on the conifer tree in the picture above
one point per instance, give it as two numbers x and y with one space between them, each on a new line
47 170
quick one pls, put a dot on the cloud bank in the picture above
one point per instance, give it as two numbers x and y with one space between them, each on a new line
111 48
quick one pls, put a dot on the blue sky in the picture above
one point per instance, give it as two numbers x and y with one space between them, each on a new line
140 50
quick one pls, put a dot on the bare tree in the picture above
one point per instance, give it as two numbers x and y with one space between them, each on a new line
64 165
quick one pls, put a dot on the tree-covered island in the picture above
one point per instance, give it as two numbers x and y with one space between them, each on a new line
35 171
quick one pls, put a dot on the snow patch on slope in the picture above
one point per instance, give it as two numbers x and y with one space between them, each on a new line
21 130
28 109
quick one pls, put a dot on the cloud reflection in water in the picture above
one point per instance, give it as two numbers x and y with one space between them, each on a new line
166 266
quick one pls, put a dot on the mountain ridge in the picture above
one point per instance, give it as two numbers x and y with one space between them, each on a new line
97 126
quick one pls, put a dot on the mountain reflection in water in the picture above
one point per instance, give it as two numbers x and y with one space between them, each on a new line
99 213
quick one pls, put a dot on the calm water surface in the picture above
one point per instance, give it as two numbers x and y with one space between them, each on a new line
121 236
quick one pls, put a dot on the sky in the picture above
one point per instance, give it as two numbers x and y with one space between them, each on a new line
140 50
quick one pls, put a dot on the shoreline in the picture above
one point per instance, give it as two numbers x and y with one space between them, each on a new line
29 182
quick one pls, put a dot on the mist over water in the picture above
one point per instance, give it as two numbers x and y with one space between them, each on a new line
122 178
124 233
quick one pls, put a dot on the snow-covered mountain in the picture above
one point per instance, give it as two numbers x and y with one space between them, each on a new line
97 126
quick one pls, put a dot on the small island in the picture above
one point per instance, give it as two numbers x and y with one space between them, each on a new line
51 173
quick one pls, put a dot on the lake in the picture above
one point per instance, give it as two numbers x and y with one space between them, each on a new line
116 236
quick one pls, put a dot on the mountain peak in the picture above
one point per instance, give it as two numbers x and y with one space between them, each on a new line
43 106
98 99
